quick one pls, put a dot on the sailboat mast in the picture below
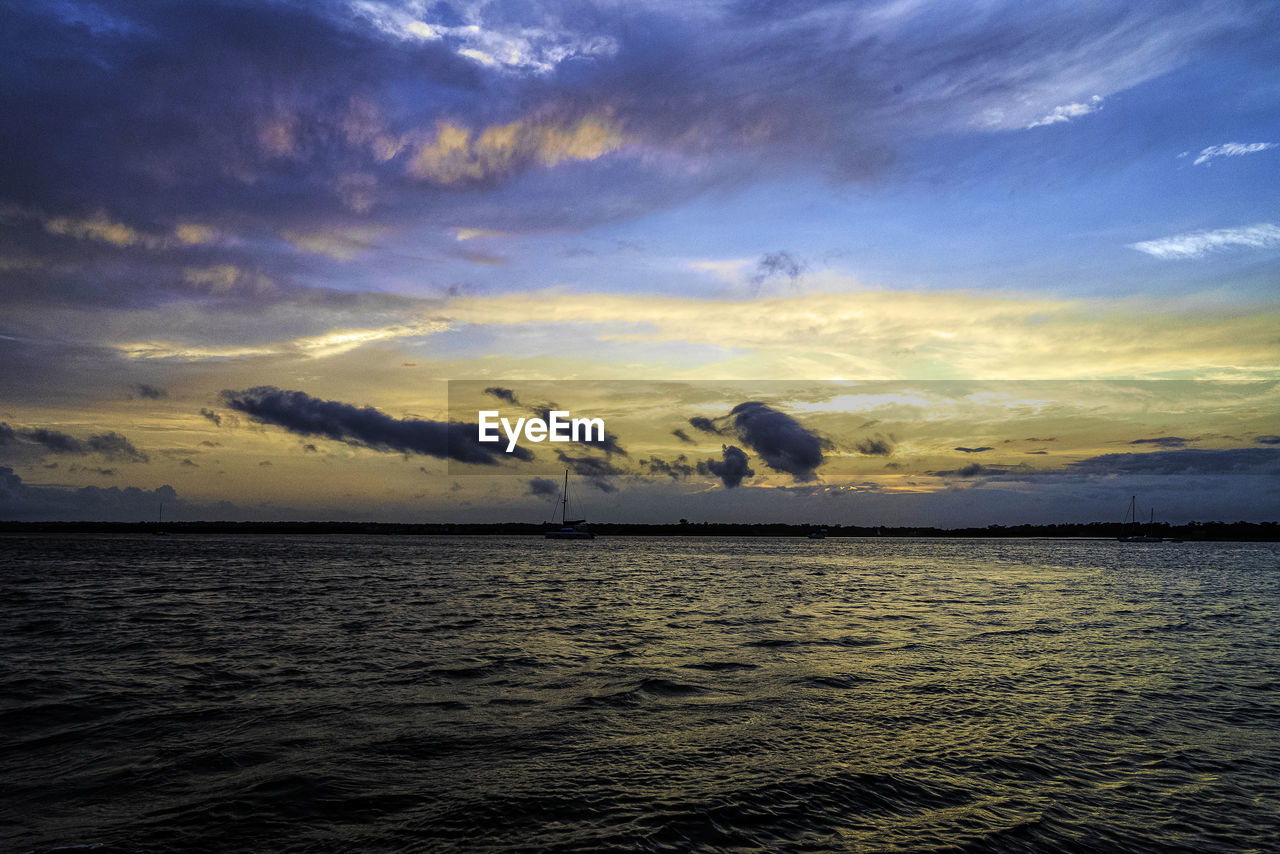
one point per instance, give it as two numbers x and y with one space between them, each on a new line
564 511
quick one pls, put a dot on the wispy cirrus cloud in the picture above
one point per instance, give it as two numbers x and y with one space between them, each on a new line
1198 244
1228 149
1067 112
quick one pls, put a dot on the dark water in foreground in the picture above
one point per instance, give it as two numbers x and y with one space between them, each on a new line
513 694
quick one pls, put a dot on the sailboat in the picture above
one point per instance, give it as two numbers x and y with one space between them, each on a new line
1131 518
160 531
570 529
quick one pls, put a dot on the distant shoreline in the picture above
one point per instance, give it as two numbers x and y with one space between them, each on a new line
1193 532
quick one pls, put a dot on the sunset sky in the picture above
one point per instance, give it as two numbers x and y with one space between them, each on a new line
970 262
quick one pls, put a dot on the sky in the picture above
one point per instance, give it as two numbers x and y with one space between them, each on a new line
908 262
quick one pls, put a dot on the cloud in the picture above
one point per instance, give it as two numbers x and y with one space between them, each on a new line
682 436
503 394
975 450
115 446
331 114
1163 441
732 468
607 443
150 392
111 444
878 446
706 425
495 41
51 440
97 227
1267 440
778 265
1201 243
595 470
212 416
340 244
455 154
780 441
192 234
1172 463
543 486
974 470
23 501
1191 461
676 469
300 413
1230 149
1067 112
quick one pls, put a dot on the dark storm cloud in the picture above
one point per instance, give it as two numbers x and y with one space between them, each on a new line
543 486
150 392
607 443
111 445
973 470
682 436
782 442
23 501
676 469
706 425
1267 440
1190 461
1181 462
975 450
1163 441
503 394
53 441
279 115
212 416
300 413
732 468
596 471
98 470
877 446
115 446
194 95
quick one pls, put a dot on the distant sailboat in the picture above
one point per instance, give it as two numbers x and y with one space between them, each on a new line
570 529
1129 532
160 531
818 535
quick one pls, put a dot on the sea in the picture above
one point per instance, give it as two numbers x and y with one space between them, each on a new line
681 694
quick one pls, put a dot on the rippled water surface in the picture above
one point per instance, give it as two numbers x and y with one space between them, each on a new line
648 694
